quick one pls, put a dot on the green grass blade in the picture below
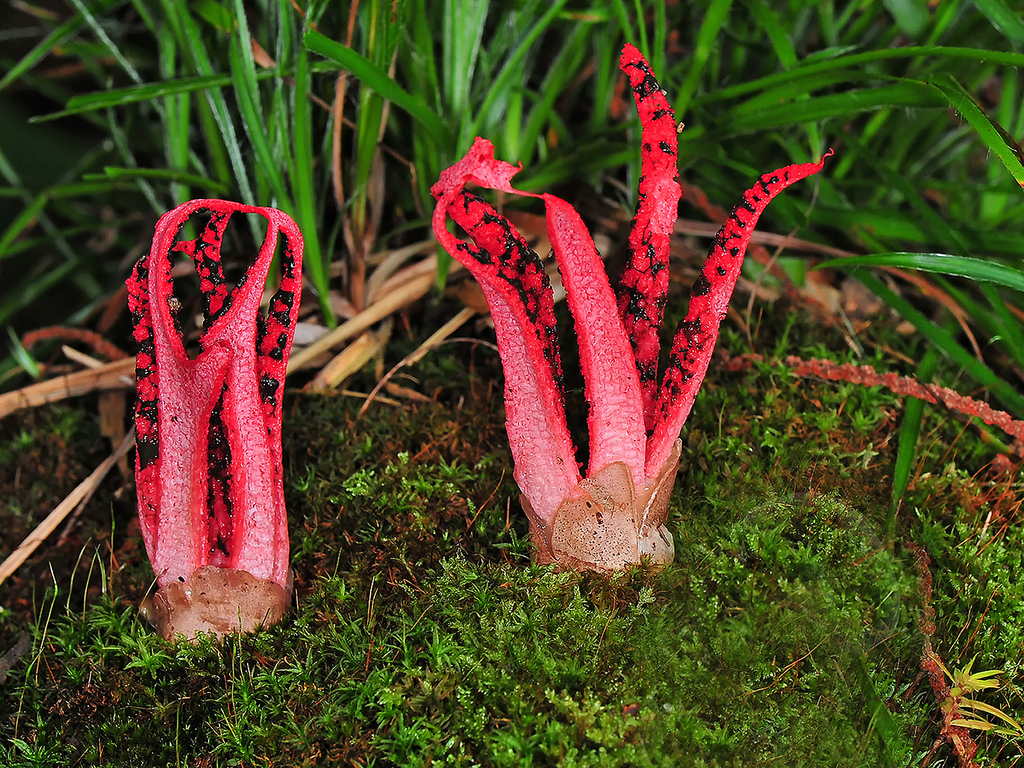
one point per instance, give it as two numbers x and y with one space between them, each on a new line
243 72
661 29
50 42
1003 18
124 148
135 94
463 32
1009 331
190 41
21 355
996 321
605 49
210 186
641 29
857 63
907 440
994 136
940 263
177 118
302 185
97 29
910 430
119 97
55 237
218 162
910 15
905 94
25 218
376 78
557 81
511 70
778 34
637 34
710 30
937 227
964 295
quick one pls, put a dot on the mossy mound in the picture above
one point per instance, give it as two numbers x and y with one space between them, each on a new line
784 633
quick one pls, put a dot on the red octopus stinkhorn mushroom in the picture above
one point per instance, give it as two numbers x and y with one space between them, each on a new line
616 514
208 429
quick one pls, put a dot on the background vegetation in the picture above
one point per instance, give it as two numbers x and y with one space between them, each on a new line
408 644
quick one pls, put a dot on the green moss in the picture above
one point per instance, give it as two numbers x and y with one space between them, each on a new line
785 633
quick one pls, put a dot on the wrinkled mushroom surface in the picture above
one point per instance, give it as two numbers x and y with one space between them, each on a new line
208 425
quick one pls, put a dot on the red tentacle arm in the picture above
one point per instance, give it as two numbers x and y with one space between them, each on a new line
644 281
616 420
511 269
522 308
695 340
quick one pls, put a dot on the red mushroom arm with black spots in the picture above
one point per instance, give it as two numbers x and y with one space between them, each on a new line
644 282
208 462
518 292
204 252
695 340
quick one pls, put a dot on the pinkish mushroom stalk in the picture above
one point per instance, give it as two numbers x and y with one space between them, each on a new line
616 514
208 429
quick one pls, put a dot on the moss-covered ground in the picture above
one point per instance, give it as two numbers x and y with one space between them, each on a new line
785 633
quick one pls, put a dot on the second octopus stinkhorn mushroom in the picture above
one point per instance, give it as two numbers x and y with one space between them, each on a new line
615 515
208 428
